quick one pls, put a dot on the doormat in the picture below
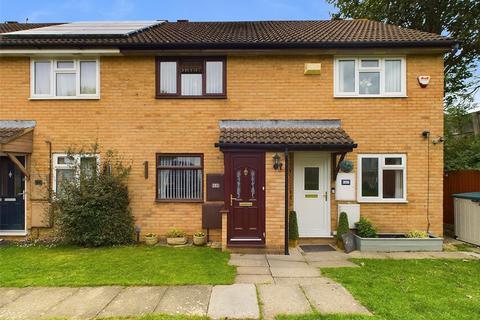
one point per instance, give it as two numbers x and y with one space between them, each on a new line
317 248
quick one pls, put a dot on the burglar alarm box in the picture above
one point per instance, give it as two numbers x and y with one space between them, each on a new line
215 187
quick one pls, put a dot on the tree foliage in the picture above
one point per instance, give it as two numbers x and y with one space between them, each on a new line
93 209
459 19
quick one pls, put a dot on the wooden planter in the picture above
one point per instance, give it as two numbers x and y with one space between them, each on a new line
398 242
177 241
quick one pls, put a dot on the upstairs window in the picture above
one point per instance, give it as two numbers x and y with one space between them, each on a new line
382 178
191 77
370 77
65 79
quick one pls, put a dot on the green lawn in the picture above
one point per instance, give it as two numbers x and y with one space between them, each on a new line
410 289
130 265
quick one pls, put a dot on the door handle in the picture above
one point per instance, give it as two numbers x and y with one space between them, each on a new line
326 196
231 199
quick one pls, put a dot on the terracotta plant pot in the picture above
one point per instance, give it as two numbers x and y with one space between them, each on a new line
199 241
177 241
151 240
292 243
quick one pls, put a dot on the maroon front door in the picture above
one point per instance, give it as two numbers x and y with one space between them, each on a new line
245 197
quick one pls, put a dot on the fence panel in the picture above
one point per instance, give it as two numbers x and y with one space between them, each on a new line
457 182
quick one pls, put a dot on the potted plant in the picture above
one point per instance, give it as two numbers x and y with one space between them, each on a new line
151 239
342 229
293 230
176 237
199 238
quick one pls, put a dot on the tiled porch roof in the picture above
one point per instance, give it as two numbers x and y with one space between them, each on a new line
284 132
12 129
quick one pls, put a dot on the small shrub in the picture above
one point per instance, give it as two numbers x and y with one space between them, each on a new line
292 226
150 235
365 228
343 226
416 234
94 209
199 234
176 233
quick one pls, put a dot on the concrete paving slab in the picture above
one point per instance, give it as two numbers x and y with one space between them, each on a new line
134 301
248 262
186 300
333 264
87 302
35 303
303 281
236 301
333 298
8 295
288 264
253 270
254 278
247 256
295 272
322 256
367 255
295 255
273 301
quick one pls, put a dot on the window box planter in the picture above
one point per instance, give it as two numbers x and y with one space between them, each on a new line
398 242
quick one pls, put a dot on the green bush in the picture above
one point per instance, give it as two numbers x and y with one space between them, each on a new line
343 226
93 209
365 228
293 226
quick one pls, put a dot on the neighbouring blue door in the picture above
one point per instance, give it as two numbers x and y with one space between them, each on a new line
12 195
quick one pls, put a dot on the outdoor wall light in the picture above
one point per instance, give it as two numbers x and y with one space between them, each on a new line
137 232
277 165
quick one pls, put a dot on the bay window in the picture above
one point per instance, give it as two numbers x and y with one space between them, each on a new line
65 79
370 77
179 177
382 178
191 77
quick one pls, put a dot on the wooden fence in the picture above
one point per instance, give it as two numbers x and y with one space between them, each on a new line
457 182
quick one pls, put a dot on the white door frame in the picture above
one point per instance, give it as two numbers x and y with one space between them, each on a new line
325 166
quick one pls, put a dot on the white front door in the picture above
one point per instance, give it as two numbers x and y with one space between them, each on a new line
312 193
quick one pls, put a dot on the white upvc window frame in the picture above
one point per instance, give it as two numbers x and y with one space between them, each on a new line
380 68
54 71
381 167
76 160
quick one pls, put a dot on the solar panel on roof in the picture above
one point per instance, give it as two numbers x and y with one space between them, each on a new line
90 28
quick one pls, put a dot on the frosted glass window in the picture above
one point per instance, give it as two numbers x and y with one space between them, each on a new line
66 84
214 77
88 77
347 75
369 82
191 84
42 70
393 75
168 77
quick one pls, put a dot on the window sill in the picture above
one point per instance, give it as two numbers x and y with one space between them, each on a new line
371 97
64 98
178 201
12 233
190 97
384 201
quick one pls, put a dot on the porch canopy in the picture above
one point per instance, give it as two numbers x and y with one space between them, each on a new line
325 135
16 138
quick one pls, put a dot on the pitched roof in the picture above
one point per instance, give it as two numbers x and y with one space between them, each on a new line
240 35
284 132
12 129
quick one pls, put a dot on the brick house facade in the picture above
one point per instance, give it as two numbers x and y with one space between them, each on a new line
260 85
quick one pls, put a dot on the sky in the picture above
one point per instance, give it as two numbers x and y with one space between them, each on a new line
194 10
